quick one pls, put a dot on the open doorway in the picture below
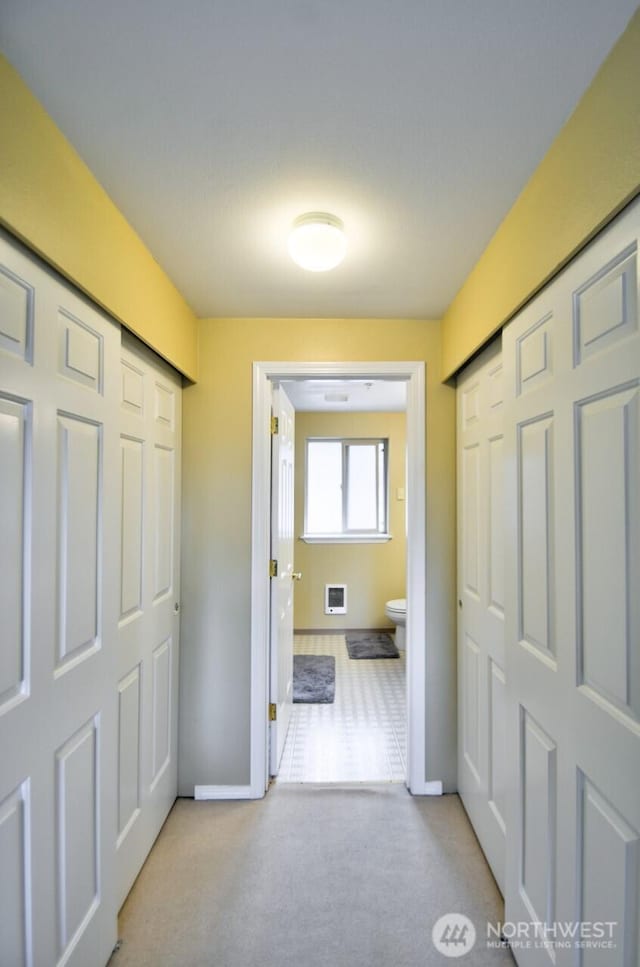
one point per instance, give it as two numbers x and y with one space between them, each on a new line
347 721
267 374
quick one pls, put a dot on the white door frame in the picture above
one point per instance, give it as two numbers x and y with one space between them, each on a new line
413 373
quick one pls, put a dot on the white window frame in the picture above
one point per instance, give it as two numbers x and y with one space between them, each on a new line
347 534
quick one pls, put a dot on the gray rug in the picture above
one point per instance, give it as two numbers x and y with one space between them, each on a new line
371 644
314 679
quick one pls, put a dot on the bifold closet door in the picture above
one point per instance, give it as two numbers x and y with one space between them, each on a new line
59 497
481 658
148 605
572 569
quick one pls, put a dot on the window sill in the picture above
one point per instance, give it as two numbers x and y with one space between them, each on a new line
345 538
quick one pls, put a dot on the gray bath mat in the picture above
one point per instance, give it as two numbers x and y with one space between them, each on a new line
370 644
314 678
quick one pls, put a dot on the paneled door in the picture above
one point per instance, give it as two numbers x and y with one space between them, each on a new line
282 544
149 602
481 658
89 601
572 580
59 497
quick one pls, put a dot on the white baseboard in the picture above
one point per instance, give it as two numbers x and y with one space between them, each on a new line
223 792
433 788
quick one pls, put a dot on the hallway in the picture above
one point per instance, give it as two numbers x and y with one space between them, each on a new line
479 166
310 876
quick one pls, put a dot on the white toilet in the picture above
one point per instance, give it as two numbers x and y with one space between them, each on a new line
396 611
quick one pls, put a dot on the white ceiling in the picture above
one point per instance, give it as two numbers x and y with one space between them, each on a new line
213 123
362 395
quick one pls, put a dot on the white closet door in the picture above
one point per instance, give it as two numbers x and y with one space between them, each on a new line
481 659
59 366
572 485
89 579
148 604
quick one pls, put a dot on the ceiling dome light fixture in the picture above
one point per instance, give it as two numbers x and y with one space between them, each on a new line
317 241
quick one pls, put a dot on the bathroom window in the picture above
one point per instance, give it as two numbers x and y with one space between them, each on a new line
346 489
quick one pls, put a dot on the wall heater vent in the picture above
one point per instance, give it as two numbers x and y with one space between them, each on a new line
335 599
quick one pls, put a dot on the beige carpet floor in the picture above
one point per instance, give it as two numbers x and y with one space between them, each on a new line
310 876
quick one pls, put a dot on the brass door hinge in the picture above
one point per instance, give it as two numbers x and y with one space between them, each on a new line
275 425
273 711
273 568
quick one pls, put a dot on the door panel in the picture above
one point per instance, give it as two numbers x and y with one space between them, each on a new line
161 738
609 852
80 351
535 528
471 704
129 710
80 459
538 770
572 466
15 883
497 745
16 311
58 441
77 799
164 523
607 486
15 425
495 530
471 531
148 628
131 452
481 774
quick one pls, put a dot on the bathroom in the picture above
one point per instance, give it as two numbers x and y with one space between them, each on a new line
362 735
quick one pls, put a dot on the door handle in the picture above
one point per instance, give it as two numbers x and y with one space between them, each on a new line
296 575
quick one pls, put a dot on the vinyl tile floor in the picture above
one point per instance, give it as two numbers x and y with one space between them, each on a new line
362 735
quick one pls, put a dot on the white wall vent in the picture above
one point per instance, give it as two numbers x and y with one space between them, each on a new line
335 599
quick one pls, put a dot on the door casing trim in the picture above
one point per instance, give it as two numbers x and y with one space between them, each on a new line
264 375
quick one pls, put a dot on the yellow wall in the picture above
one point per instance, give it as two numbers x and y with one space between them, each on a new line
590 172
216 551
373 573
50 200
